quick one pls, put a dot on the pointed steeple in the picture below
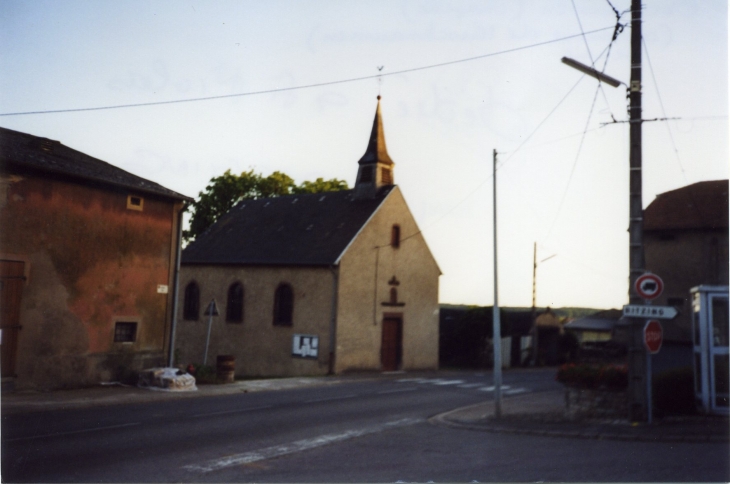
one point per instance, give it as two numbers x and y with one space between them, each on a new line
376 151
376 167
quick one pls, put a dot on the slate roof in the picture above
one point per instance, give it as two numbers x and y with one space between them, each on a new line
310 230
42 155
702 205
600 321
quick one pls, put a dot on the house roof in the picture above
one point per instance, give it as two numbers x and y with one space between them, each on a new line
600 321
43 155
311 229
376 152
702 205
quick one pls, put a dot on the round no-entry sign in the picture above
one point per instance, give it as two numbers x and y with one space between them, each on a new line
649 286
653 336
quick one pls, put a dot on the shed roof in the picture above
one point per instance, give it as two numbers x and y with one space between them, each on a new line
702 205
600 321
311 229
43 155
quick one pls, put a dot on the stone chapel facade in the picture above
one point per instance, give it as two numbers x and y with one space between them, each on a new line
315 284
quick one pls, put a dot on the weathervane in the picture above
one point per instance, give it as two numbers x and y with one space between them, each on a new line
380 78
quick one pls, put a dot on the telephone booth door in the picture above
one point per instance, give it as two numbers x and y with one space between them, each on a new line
711 342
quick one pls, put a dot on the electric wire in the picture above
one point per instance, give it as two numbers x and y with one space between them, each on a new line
617 30
539 125
575 163
305 86
692 200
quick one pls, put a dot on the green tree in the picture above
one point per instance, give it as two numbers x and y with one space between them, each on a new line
223 192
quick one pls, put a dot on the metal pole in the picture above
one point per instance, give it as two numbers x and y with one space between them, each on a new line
175 288
649 409
637 359
207 340
496 333
535 346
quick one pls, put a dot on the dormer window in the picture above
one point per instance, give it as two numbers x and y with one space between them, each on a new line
135 202
395 236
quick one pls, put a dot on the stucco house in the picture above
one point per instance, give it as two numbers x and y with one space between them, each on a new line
315 284
686 244
87 264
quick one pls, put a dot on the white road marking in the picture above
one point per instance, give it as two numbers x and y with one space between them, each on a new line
226 412
491 389
72 432
415 380
470 385
294 447
318 400
515 391
447 382
385 392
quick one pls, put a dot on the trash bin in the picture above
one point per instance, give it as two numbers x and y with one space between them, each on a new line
225 368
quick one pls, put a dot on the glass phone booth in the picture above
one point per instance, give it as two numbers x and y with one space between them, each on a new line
711 336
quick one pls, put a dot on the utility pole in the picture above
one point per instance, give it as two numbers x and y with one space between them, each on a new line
638 394
496 331
535 346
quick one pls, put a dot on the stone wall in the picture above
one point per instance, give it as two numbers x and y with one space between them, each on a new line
582 403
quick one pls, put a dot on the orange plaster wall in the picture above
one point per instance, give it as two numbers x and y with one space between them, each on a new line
105 259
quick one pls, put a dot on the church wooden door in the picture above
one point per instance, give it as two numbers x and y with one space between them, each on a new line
391 345
11 289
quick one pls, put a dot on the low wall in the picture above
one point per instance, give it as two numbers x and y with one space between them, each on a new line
595 403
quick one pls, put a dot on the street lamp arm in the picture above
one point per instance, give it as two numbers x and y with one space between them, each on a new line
592 72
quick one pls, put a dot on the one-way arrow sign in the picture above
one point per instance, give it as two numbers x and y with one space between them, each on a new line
656 312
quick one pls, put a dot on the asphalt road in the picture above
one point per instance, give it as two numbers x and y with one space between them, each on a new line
364 430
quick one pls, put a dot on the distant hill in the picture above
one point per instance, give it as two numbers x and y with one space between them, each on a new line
568 312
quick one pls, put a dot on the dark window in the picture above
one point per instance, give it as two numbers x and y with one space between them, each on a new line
191 308
283 305
386 176
393 295
234 308
395 236
366 175
125 332
134 202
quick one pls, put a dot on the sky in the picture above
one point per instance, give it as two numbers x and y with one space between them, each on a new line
562 178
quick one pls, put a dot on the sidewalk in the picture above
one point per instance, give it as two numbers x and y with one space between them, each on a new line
542 414
23 402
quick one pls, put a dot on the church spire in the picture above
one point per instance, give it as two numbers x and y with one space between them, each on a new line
376 167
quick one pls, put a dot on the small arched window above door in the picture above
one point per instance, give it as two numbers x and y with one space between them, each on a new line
395 236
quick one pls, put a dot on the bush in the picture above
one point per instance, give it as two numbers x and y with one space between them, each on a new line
202 373
673 392
612 377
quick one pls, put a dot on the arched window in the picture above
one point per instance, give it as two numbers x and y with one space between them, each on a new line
283 305
395 236
191 306
234 307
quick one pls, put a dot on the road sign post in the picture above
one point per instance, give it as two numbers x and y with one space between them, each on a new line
653 337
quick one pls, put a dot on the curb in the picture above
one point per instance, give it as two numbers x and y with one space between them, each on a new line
22 403
444 420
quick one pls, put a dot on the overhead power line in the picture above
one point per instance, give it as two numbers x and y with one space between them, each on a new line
305 86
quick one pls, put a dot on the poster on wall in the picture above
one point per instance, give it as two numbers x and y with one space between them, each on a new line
305 345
